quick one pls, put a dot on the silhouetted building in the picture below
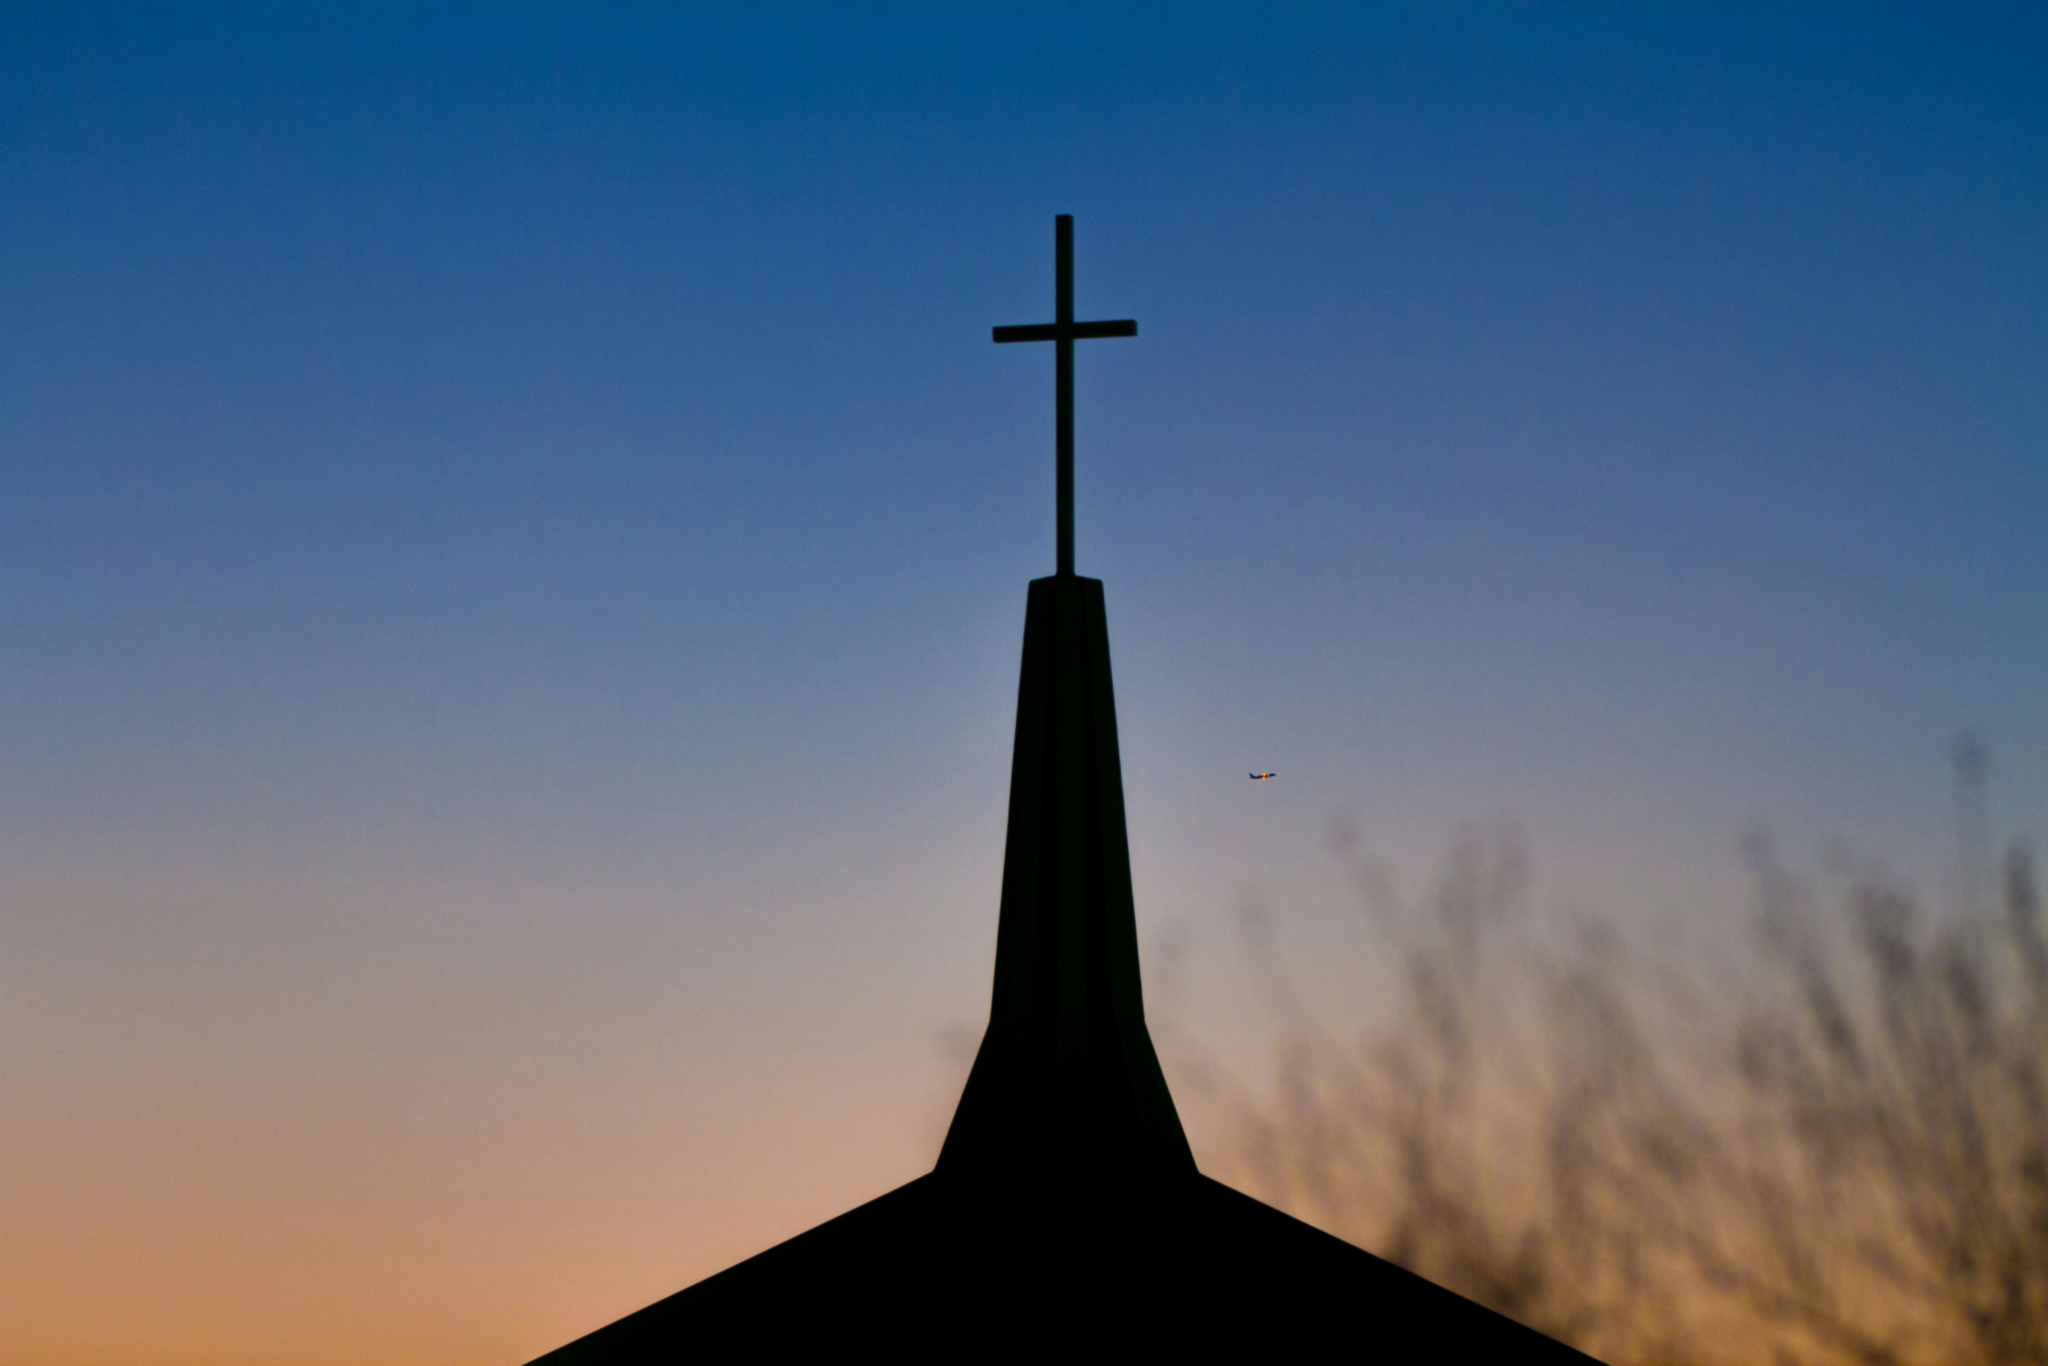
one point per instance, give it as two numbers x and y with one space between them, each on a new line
1065 1212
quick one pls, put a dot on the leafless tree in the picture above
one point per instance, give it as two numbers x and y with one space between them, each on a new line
1846 1163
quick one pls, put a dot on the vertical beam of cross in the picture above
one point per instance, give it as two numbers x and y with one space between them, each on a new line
1063 387
1063 332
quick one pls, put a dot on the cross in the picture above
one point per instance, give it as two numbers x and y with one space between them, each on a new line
1064 331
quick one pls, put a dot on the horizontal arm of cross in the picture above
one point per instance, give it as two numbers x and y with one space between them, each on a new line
1066 331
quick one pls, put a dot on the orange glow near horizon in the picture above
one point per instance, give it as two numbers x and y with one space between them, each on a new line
228 1146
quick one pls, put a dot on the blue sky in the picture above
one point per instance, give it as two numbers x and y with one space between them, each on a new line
490 487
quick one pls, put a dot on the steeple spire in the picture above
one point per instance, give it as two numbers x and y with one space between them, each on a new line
1067 1078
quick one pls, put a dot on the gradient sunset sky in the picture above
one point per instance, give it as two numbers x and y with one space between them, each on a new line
513 541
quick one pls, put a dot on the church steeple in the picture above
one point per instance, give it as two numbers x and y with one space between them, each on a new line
1066 1078
1066 1081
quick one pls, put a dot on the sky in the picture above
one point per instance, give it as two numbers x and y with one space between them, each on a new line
513 541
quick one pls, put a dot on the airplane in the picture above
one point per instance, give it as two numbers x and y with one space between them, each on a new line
1261 777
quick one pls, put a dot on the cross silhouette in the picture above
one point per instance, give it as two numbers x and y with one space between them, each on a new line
1064 331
